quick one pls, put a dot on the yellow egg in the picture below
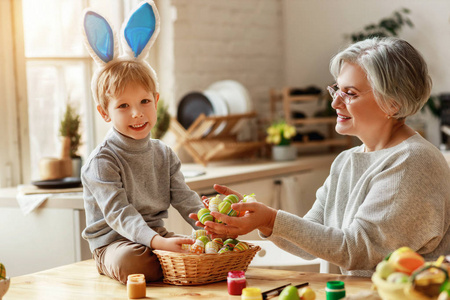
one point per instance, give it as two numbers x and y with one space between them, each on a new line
2 271
307 293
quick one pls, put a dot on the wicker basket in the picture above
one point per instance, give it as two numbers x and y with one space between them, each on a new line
196 269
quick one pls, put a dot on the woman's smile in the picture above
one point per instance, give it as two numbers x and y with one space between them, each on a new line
342 118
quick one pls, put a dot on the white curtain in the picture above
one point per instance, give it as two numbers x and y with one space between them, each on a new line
13 136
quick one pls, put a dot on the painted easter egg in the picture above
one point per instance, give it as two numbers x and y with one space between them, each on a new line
407 262
231 198
218 241
249 198
214 203
212 247
204 215
2 271
230 243
204 239
199 232
225 208
186 246
241 246
225 249
198 247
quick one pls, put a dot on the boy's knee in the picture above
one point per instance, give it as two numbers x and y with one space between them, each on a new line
138 260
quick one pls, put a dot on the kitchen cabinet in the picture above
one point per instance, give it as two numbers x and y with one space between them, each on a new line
44 239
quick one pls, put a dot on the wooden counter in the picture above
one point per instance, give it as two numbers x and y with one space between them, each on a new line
81 281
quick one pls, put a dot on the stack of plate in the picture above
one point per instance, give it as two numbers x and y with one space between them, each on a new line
234 94
219 99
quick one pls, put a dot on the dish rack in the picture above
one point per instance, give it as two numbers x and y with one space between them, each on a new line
214 138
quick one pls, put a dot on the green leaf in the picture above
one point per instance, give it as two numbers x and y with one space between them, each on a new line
70 126
163 121
388 26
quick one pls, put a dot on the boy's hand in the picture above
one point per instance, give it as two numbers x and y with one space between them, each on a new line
170 244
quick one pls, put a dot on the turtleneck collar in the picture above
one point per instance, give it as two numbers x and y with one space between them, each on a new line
128 143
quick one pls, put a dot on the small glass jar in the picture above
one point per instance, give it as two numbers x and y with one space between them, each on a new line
335 290
136 286
251 294
236 282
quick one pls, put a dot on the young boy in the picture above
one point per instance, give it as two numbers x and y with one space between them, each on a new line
130 180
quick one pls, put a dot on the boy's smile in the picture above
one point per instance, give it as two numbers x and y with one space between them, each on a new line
133 113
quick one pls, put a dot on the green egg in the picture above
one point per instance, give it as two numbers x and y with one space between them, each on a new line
231 198
204 239
204 215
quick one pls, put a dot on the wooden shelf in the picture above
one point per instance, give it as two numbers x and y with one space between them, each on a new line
284 96
298 98
213 138
312 121
327 142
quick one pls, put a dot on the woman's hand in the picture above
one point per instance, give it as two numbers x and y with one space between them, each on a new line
224 190
257 216
170 244
221 189
195 217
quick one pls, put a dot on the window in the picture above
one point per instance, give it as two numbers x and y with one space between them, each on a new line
59 69
43 66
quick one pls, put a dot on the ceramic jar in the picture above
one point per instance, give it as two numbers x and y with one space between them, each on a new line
286 152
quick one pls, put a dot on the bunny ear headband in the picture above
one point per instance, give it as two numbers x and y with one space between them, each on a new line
138 35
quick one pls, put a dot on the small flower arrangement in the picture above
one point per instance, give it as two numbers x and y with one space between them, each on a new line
280 133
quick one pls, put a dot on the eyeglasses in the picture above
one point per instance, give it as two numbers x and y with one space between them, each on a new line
346 98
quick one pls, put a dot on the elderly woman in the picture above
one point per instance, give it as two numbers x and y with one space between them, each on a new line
391 191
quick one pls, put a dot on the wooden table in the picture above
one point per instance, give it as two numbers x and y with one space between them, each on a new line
81 281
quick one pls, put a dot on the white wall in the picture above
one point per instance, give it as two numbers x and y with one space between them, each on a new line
233 39
276 43
315 31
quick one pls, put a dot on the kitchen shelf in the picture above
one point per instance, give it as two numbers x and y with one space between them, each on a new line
214 138
287 100
312 121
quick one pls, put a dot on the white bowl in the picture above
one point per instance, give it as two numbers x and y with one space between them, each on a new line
4 286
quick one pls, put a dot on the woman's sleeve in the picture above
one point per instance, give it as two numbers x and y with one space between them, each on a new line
314 215
404 205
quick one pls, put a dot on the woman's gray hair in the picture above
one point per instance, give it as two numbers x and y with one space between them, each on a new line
396 71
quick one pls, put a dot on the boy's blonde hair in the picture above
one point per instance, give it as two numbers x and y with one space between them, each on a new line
113 79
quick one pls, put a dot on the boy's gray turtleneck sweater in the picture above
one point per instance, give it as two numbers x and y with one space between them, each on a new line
128 186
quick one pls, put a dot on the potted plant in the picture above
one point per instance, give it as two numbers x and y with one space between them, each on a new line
70 129
388 26
279 134
163 120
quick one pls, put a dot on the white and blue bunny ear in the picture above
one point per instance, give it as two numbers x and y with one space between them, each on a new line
140 30
100 38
